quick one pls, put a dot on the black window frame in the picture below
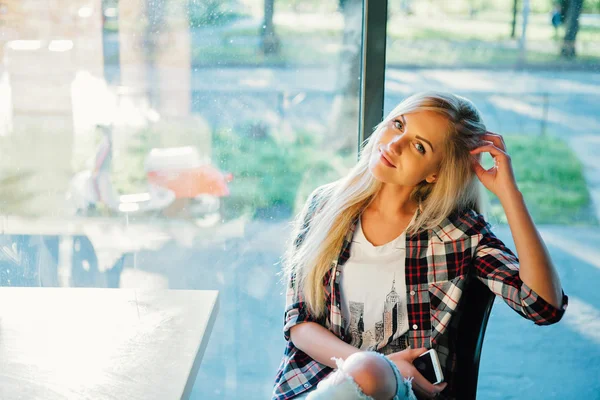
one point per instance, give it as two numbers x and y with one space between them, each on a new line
372 78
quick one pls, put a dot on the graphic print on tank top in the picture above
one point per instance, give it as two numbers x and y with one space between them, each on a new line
382 334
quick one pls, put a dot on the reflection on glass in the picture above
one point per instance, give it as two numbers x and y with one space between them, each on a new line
167 144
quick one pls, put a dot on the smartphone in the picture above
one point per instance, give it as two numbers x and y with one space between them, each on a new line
428 364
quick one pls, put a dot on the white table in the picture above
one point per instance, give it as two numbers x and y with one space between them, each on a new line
80 343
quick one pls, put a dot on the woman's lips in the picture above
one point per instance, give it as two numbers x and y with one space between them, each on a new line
386 161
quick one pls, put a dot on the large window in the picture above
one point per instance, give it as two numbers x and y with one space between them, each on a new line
168 144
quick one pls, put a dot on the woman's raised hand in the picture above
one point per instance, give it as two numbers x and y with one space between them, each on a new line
499 179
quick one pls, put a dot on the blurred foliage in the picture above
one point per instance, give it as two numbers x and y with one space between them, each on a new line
14 195
128 174
35 170
466 6
211 13
591 6
551 179
271 176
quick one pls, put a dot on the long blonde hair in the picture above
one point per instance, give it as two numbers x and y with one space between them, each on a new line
456 188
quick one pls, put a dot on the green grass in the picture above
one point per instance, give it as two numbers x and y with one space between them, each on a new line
292 53
550 176
486 27
451 40
270 174
445 53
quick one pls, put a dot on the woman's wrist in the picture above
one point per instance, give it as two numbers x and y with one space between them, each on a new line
510 198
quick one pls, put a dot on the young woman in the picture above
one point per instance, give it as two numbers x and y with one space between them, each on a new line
381 257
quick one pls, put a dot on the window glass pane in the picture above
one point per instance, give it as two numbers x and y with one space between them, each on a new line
538 85
168 144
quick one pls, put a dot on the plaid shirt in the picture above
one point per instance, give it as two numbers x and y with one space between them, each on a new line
439 263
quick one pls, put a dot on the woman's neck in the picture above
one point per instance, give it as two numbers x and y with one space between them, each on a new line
393 202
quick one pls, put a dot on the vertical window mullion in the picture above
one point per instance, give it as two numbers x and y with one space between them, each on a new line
372 77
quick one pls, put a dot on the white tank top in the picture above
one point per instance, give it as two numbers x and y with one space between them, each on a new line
373 293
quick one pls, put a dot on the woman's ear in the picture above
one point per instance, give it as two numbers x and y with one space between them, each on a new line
431 178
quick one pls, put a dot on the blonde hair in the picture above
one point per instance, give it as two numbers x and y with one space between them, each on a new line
308 260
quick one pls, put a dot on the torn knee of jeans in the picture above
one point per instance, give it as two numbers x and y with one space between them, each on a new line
339 375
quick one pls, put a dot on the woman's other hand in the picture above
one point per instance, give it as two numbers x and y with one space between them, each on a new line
499 179
404 361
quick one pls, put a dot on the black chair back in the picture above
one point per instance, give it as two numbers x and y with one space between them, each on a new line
478 301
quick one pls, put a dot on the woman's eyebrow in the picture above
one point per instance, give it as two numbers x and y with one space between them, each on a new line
426 141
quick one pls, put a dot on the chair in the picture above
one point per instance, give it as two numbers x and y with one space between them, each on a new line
478 301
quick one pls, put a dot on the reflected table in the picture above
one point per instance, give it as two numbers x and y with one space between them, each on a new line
81 343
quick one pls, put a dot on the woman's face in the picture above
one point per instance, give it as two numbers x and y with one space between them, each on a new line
409 149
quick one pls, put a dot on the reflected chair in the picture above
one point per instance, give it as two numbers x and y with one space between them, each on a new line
478 303
33 260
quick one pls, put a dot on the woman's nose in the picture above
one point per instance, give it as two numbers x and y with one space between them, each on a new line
395 145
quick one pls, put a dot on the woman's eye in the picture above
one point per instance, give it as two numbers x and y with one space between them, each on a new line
420 148
398 124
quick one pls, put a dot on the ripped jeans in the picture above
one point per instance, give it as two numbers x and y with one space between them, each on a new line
339 386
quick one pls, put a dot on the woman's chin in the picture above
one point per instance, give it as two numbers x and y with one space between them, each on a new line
382 175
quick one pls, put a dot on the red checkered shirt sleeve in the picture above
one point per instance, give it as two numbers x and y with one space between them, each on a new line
296 310
498 268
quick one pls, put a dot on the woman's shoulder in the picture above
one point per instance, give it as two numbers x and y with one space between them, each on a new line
461 223
315 201
321 193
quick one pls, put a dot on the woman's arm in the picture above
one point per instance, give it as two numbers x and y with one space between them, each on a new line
300 327
536 268
320 344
